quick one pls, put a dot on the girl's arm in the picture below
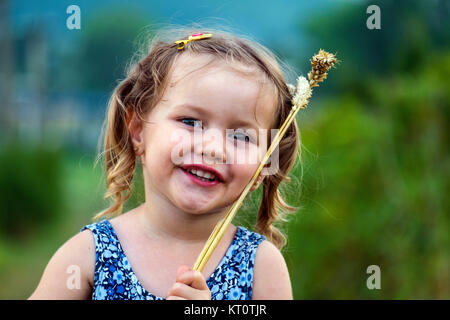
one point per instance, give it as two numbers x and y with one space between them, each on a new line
70 272
270 274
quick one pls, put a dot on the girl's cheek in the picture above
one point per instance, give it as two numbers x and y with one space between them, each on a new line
171 142
248 155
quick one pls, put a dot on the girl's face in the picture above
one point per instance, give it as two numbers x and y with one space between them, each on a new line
221 98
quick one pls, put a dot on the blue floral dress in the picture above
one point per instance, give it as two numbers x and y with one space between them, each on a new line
114 278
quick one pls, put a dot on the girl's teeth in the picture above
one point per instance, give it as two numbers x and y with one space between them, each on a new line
202 174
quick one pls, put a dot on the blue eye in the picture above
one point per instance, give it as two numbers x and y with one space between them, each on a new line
246 137
192 121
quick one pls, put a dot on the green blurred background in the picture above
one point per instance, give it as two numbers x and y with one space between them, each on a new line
375 164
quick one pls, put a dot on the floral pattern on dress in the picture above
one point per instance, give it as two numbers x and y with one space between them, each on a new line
114 278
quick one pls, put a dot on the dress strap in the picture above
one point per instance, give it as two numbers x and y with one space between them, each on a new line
252 241
105 250
104 235
234 279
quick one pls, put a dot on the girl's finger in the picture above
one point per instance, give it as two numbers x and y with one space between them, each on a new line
187 292
182 269
193 278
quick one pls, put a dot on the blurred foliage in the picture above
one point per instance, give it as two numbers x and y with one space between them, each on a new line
31 193
410 30
376 162
375 193
106 46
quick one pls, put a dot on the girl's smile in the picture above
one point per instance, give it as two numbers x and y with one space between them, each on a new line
202 174
201 181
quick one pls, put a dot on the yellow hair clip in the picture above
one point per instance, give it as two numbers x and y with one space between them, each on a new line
195 36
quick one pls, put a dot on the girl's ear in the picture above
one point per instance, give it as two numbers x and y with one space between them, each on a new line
135 128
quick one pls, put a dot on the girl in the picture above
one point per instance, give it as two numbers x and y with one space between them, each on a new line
213 80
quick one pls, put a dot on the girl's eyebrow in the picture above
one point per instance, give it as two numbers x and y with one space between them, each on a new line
236 121
193 107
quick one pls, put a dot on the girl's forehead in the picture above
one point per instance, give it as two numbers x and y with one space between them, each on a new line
188 66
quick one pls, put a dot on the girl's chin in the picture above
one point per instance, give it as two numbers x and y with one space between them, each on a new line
194 206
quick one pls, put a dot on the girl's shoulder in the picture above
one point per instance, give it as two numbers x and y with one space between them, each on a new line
271 274
71 266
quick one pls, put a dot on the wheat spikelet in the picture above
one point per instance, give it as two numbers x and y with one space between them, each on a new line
301 93
321 63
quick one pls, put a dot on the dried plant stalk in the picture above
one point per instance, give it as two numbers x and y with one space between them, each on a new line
321 63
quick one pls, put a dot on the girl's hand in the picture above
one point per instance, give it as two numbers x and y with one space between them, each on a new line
189 285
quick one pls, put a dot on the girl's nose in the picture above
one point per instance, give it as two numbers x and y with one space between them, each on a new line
213 148
215 152
218 156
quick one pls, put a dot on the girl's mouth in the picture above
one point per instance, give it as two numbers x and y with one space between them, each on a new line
201 181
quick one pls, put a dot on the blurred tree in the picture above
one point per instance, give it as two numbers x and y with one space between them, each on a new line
409 30
106 45
31 194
